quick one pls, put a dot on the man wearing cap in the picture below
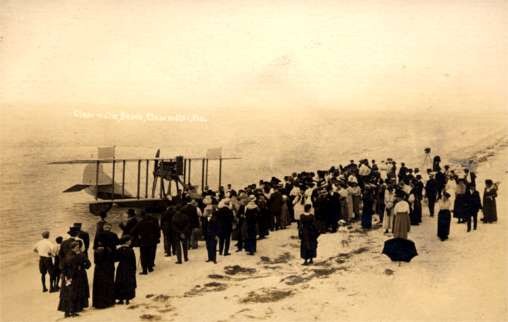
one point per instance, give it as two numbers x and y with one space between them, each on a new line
45 248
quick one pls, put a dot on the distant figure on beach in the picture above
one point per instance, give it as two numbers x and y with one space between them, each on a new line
125 278
473 205
459 207
147 232
431 193
165 224
489 202
389 204
401 221
191 211
56 265
368 204
211 230
104 271
46 251
308 234
444 216
180 229
225 220
251 218
74 292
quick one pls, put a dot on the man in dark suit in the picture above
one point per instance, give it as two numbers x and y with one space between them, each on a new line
431 193
473 205
166 218
225 220
180 229
147 231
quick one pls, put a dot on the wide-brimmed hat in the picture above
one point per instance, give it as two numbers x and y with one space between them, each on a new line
73 230
252 198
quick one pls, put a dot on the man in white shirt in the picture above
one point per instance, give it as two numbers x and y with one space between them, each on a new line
45 248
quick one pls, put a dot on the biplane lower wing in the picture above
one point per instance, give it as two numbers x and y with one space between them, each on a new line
76 188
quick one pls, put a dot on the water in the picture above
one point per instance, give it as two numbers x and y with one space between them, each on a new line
271 143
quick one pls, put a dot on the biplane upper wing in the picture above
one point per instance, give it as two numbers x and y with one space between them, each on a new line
91 161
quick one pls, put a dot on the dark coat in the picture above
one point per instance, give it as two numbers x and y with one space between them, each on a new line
225 218
473 203
147 231
275 203
180 224
74 296
431 189
127 227
333 208
125 280
489 205
191 212
368 204
308 234
212 227
103 295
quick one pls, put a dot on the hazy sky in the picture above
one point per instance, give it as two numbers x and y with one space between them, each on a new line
218 54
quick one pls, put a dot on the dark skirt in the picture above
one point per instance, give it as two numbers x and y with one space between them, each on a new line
443 224
367 220
67 301
103 285
416 213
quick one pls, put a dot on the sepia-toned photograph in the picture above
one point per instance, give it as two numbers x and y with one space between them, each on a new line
264 160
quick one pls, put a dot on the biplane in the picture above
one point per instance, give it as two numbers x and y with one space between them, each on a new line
164 173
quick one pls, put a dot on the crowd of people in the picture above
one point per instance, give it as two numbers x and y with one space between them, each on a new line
320 202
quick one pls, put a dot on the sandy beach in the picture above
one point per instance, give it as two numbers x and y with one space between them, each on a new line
462 279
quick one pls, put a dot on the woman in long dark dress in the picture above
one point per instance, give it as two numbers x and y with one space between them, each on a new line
416 208
251 218
444 217
308 235
103 295
489 202
125 279
460 207
74 291
368 204
211 232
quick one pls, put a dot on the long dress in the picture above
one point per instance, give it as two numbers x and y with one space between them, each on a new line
125 279
489 204
401 221
443 219
308 235
74 292
103 294
368 204
251 214
459 207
